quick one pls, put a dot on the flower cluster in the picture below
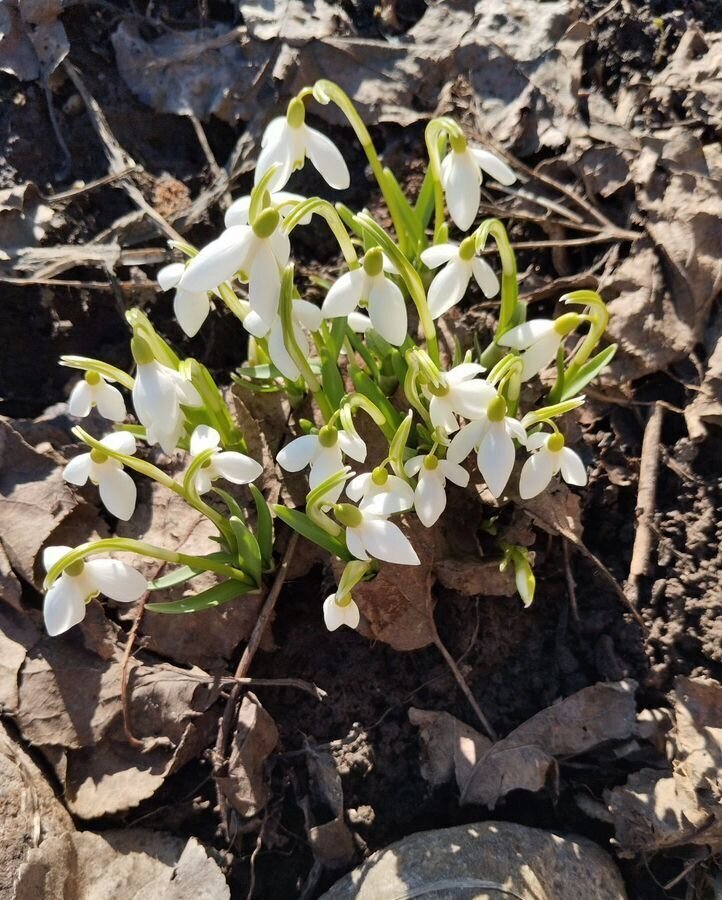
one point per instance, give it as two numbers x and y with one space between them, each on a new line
369 348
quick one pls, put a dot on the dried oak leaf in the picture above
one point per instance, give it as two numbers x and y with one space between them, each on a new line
450 747
706 407
23 218
328 834
33 42
144 865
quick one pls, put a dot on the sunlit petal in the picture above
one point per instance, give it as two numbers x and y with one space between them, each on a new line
327 159
77 470
430 497
492 165
385 541
118 493
573 471
63 607
298 454
448 288
485 277
438 254
387 310
344 294
496 458
536 473
236 467
116 579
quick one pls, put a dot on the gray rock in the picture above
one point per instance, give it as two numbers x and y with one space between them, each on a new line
487 861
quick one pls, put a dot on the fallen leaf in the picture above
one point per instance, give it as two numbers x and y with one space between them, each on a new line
450 747
697 707
328 834
692 76
23 218
475 577
9 585
295 22
32 40
706 407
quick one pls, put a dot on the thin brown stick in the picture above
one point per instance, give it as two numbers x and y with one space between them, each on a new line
571 585
125 671
646 502
62 196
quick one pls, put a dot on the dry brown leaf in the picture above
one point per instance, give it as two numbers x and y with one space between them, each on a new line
294 21
450 747
331 841
697 706
32 40
246 784
706 407
23 219
9 585
475 577
694 76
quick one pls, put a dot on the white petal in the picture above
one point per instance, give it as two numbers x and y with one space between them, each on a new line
358 322
286 201
80 401
154 395
237 212
352 445
463 189
387 310
327 463
385 541
539 355
496 458
191 309
64 606
204 480
334 615
120 441
536 473
537 440
298 453
448 287
277 350
442 414
274 131
186 392
355 544
430 497
218 261
573 471
118 492
436 256
52 554
516 430
169 276
485 277
277 147
471 398
327 159
116 579
522 336
256 326
358 486
413 465
77 470
344 295
236 467
493 166
463 372
204 437
307 314
465 441
109 401
397 499
281 246
264 285
454 472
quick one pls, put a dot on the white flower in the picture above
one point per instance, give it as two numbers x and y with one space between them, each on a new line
93 390
158 394
460 263
370 535
430 494
228 464
390 493
117 489
191 308
323 452
548 457
304 315
65 601
258 252
492 435
459 393
461 176
340 612
287 141
538 341
284 201
369 286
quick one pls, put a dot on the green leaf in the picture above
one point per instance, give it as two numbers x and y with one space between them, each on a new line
231 503
331 379
425 201
185 573
406 211
213 596
264 527
301 523
588 372
364 385
249 553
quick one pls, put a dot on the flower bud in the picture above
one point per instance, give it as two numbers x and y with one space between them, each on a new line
467 249
555 442
347 515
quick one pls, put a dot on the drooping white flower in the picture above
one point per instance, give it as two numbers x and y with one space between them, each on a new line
284 201
369 287
191 308
538 341
228 464
158 394
304 316
117 489
391 493
548 457
492 435
94 390
65 600
430 494
461 177
369 534
323 452
460 263
340 612
287 141
460 392
256 252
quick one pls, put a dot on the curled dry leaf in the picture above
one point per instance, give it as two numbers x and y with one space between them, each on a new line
328 834
23 218
450 747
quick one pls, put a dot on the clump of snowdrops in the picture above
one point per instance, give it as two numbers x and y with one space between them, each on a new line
356 356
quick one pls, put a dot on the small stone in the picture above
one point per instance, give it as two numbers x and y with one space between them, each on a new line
74 105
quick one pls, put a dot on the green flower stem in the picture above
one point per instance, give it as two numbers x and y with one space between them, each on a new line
239 308
363 351
141 324
128 545
411 278
315 500
435 136
102 368
599 318
547 413
411 391
353 572
258 193
215 406
509 283
397 448
318 206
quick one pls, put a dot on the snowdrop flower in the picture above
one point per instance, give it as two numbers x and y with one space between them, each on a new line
287 141
548 457
338 612
461 177
323 452
460 263
304 316
370 535
390 493
94 390
158 394
191 308
284 201
459 392
430 494
228 464
65 601
369 286
493 438
256 252
117 489
538 341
